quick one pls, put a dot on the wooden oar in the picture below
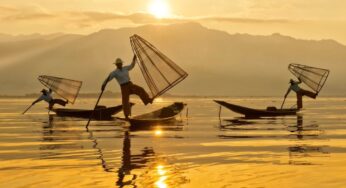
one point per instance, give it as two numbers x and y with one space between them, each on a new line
27 109
283 102
92 114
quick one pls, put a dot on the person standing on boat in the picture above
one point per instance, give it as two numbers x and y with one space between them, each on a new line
300 92
121 74
47 96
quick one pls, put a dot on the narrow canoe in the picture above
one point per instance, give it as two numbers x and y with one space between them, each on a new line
100 113
161 116
251 112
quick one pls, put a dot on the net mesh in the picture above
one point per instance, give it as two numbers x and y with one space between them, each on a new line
66 88
160 73
313 77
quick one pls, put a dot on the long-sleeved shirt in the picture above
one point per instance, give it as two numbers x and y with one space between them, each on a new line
46 97
295 86
121 75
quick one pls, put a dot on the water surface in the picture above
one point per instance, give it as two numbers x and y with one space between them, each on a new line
198 150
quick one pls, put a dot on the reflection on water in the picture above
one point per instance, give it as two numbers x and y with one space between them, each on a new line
131 162
299 153
37 150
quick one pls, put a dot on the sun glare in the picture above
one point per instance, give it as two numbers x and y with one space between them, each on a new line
159 8
158 132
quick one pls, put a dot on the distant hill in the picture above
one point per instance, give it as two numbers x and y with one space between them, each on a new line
218 63
13 38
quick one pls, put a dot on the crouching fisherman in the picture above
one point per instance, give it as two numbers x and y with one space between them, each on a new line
300 92
121 74
47 96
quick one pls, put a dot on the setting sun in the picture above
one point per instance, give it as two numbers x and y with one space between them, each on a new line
159 8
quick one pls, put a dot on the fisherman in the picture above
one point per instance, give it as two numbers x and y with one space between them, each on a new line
121 74
300 92
47 96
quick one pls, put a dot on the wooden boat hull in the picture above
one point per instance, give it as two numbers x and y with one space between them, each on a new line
101 113
251 112
165 115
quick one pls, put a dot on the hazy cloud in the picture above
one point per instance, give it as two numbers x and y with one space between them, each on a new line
7 9
29 16
243 20
87 18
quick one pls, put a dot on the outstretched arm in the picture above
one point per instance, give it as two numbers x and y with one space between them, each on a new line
106 81
130 67
37 100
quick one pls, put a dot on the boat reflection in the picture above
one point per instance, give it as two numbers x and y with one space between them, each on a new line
58 137
300 153
173 125
297 134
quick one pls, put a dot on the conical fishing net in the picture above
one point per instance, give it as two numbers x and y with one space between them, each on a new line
66 88
160 73
313 77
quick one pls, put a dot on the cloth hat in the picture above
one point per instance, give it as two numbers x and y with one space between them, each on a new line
118 61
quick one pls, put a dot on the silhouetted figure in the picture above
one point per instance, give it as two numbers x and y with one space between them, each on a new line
131 162
47 96
125 169
121 74
300 92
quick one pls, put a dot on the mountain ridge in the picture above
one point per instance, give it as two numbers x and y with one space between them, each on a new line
212 58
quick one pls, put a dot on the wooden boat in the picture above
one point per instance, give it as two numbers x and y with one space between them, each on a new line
100 113
163 115
251 112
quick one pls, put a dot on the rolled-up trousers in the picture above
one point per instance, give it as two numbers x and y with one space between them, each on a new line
300 95
129 89
57 101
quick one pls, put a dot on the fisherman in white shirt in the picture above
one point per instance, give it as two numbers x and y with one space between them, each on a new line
300 92
47 96
121 74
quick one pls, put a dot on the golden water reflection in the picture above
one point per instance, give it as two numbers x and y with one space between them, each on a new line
161 175
300 152
158 132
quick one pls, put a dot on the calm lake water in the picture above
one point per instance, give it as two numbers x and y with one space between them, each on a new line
308 150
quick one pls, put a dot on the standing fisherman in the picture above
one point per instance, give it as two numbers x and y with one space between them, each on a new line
121 74
300 92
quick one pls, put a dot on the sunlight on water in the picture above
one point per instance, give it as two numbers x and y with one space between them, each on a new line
158 132
161 174
200 150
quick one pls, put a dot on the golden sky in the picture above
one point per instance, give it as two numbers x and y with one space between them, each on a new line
317 19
